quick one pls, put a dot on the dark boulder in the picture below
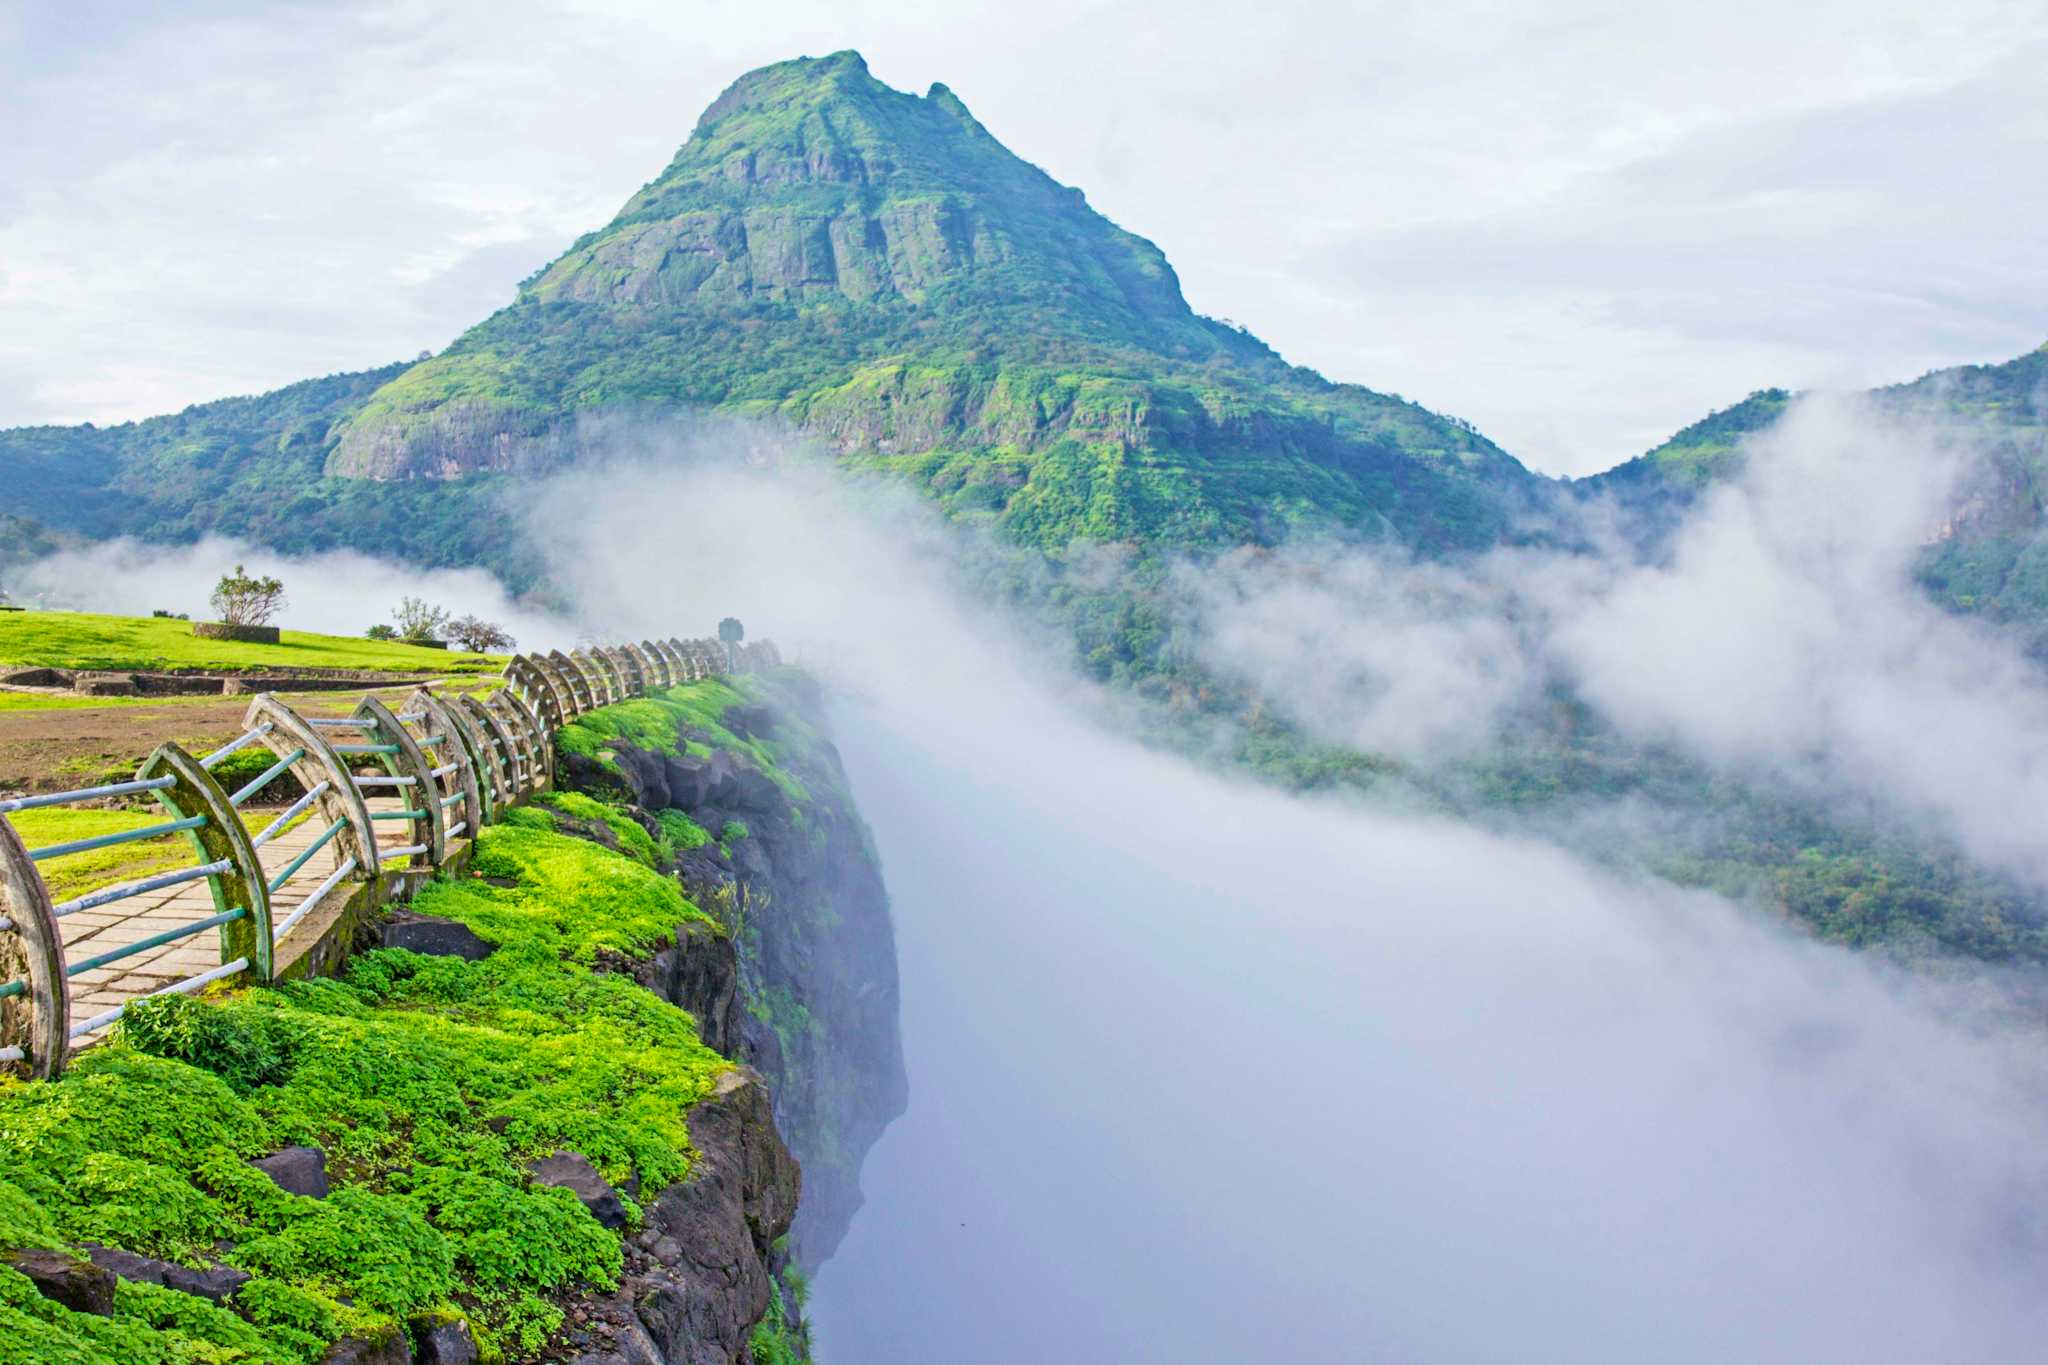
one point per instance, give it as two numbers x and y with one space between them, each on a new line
215 1282
443 1341
573 1172
388 1347
433 936
750 720
297 1170
79 1285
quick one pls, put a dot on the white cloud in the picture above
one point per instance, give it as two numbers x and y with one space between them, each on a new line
1783 640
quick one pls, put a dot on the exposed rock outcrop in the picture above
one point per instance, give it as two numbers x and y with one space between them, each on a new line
388 1347
431 935
702 975
79 1285
297 1170
573 1172
698 1272
213 1282
816 954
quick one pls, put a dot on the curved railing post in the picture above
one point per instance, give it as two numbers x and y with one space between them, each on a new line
539 688
688 653
242 885
575 680
604 674
498 748
456 750
538 739
655 663
340 801
550 667
622 678
598 660
639 676
400 755
35 1012
598 685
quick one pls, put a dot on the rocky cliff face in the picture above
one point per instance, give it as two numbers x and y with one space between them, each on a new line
699 1274
803 986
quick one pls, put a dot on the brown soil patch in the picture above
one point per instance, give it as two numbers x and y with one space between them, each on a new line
60 750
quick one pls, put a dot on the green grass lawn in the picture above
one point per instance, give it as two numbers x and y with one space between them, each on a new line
66 639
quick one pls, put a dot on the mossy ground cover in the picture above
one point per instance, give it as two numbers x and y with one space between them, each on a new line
693 714
429 1082
68 639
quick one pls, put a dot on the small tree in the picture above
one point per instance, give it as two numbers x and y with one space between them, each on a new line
478 636
242 600
380 631
419 619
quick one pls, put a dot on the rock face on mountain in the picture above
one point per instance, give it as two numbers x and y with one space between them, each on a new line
811 179
699 1271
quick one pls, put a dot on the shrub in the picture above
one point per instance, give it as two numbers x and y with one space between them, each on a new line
419 619
240 599
245 1048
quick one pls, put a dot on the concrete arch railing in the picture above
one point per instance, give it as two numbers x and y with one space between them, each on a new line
434 772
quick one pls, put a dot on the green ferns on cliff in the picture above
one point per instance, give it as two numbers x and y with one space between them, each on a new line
428 1081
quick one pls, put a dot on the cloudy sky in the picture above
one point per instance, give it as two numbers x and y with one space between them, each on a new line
1580 224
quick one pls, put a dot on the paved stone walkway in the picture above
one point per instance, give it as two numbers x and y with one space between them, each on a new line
89 932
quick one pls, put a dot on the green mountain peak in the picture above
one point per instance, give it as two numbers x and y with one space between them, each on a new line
875 269
810 181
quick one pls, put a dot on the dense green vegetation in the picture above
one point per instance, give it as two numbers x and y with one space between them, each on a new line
146 644
658 722
429 1081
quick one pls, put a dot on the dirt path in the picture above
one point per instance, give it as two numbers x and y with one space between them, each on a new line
58 749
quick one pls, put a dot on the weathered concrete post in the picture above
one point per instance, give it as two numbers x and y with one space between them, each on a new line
223 838
403 757
340 802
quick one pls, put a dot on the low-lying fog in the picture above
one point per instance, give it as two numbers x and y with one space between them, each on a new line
1201 1072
